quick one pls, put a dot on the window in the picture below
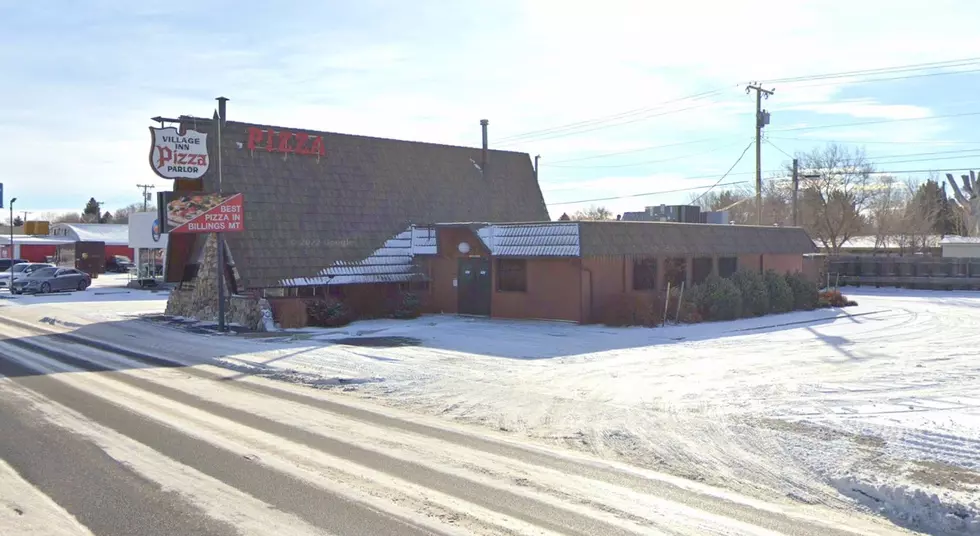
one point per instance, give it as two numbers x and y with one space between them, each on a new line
701 269
675 271
512 275
645 274
727 266
45 272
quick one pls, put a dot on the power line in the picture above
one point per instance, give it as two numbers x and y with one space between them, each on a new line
947 64
863 142
870 80
702 177
883 70
605 119
936 154
727 172
766 139
770 180
878 122
647 162
599 126
689 189
640 150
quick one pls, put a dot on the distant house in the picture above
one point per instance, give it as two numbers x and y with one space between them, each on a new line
964 247
114 235
39 248
887 245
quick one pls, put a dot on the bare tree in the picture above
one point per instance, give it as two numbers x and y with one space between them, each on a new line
68 217
886 210
777 203
967 200
122 215
837 187
738 202
593 213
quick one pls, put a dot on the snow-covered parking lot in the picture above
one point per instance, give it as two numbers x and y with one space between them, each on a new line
878 403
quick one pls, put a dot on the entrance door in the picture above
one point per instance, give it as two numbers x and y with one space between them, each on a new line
475 286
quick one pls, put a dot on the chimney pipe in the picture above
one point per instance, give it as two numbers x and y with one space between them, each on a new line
483 165
536 158
222 109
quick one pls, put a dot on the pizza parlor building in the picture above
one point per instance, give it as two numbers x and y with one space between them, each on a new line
309 214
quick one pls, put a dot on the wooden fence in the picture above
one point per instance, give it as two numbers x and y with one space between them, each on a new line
910 272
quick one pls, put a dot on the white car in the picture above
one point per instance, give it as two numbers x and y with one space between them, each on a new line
20 271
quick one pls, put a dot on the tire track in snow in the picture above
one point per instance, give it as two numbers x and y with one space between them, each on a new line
673 489
249 516
551 517
335 513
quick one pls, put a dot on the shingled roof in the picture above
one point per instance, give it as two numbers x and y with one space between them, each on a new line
598 238
303 213
619 238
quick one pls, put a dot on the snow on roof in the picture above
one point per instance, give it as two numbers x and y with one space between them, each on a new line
29 240
392 263
532 240
887 242
960 240
113 234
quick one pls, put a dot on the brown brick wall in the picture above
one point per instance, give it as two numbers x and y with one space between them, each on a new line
554 291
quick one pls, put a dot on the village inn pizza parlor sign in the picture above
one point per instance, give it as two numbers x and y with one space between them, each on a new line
176 155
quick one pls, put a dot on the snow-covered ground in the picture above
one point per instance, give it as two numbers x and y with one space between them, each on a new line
879 403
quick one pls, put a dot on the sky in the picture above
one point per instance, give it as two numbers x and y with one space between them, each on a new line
597 89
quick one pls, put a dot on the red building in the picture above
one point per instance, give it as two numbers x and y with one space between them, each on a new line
115 236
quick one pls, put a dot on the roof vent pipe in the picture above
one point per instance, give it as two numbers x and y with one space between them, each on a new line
483 163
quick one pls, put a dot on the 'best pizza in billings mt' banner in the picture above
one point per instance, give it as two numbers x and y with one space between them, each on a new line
201 212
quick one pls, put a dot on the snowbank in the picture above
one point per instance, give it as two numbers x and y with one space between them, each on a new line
826 407
914 508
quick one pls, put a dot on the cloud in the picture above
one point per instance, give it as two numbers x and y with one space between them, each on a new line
866 109
77 107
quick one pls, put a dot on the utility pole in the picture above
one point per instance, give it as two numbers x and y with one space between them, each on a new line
11 250
220 116
761 120
146 193
796 192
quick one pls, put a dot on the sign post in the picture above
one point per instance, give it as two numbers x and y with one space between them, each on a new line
220 237
184 155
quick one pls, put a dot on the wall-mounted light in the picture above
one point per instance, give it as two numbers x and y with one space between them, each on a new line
464 248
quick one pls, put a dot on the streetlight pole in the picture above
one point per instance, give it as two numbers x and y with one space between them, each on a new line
12 201
222 111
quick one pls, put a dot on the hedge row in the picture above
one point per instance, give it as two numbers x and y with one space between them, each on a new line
748 294
332 312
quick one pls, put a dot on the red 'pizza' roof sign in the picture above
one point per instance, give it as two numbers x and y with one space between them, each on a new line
285 141
206 213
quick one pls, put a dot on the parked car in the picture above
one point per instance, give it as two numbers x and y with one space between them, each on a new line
53 280
119 264
5 264
20 271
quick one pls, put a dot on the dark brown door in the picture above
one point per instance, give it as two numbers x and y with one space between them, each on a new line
475 286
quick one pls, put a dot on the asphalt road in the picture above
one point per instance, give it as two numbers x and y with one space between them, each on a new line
315 477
